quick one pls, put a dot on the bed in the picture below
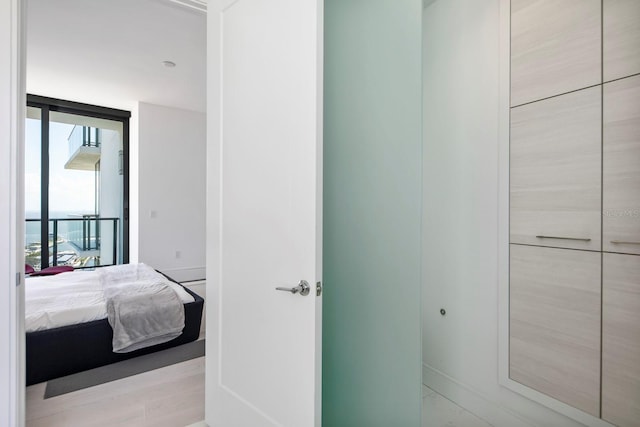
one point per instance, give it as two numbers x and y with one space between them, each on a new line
76 336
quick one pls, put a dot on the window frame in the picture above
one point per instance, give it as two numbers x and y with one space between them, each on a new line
47 105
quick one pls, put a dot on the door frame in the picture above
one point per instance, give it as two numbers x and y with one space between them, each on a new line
12 119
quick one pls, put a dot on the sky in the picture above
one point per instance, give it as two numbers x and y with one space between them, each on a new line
70 191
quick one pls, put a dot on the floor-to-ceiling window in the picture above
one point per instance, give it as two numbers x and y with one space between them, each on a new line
76 184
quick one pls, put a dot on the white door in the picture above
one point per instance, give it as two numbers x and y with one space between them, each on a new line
265 124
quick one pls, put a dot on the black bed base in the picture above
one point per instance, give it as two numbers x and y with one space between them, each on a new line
57 352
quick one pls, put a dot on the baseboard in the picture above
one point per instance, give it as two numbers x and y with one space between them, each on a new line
471 400
185 274
197 286
194 283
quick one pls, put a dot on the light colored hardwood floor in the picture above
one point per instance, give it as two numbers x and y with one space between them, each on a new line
174 397
167 397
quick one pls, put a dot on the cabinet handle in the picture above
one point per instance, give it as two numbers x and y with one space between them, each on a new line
622 242
564 238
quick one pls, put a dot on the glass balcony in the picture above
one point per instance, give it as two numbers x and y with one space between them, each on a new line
85 241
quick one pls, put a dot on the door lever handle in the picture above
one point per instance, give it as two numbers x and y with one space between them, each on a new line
303 288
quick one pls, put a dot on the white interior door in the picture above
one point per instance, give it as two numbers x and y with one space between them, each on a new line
265 145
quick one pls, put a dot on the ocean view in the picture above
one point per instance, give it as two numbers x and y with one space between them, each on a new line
67 233
32 228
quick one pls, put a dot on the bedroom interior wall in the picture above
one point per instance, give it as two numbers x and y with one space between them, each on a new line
171 190
460 224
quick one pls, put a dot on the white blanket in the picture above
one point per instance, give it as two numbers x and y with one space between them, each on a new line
63 299
70 298
142 308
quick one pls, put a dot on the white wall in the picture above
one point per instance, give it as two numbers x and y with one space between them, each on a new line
461 213
171 190
12 116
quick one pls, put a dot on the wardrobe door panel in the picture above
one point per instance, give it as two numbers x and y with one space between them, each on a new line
621 179
556 171
555 323
555 47
621 340
621 41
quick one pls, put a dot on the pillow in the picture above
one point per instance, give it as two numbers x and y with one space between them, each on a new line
28 269
50 271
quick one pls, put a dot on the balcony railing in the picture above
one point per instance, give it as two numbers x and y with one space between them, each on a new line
79 242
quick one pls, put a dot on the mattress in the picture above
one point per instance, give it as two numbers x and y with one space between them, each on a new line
69 299
65 350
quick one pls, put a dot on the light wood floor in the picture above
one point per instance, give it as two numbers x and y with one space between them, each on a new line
174 397
168 397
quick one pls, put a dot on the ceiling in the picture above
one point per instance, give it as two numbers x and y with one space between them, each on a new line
110 53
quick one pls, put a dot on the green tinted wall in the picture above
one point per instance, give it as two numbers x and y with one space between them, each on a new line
372 210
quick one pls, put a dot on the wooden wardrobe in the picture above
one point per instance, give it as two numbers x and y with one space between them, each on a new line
575 203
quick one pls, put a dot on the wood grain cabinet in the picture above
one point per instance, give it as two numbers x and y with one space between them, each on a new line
621 340
555 47
621 38
621 166
555 323
556 157
574 290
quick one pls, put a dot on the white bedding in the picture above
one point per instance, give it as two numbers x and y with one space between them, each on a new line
70 298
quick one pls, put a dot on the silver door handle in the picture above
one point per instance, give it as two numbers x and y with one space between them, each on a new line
303 288
624 242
